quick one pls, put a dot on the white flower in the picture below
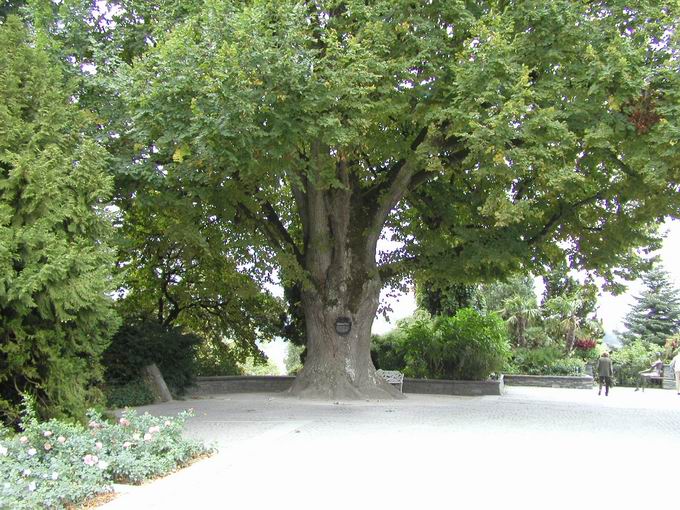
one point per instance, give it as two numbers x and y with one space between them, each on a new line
155 429
61 439
55 475
136 436
90 460
31 486
32 451
98 445
168 423
26 472
23 440
127 444
47 433
3 450
47 447
102 464
147 437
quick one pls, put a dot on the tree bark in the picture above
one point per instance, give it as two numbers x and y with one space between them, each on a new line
342 281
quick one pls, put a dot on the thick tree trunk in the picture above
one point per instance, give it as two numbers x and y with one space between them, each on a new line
341 232
339 367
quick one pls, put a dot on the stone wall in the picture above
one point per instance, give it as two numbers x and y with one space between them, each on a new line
581 382
447 387
240 384
247 384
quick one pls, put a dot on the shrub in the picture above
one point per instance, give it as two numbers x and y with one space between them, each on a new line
534 361
467 346
388 350
56 464
566 366
631 359
140 342
135 393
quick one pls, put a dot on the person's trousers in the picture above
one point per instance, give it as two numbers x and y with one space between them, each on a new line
607 381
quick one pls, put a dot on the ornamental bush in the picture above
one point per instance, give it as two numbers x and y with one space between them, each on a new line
55 464
630 359
467 346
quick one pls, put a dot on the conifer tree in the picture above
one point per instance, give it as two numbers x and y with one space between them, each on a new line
656 314
55 316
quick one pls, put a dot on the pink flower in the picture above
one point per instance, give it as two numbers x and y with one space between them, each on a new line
32 451
124 422
127 444
47 433
61 439
90 460
47 447
94 425
23 440
155 429
98 445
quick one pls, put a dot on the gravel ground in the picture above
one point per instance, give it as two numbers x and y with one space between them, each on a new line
530 448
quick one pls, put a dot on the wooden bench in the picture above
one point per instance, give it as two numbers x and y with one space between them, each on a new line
393 377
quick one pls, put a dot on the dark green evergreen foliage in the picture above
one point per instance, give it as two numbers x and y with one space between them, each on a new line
133 394
55 316
467 346
447 299
141 342
656 314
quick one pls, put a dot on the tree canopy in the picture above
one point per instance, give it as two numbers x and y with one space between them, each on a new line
484 136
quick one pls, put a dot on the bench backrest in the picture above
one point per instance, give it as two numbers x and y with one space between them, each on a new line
391 376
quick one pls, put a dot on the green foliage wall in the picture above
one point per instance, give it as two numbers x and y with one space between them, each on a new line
140 342
467 346
55 316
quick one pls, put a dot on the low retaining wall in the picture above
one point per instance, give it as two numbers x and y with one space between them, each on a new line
254 384
447 387
581 382
240 384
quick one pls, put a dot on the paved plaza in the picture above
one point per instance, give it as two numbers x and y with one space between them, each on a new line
530 448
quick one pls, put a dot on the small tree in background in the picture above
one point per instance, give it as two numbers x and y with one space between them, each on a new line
55 316
656 314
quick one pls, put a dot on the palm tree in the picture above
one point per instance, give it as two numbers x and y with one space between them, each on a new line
518 312
564 312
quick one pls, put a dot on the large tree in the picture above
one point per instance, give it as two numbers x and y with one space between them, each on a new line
485 136
655 316
55 264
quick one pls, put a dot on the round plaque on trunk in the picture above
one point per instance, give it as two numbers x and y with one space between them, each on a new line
343 325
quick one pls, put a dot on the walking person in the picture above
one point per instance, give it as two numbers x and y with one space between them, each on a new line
675 366
605 372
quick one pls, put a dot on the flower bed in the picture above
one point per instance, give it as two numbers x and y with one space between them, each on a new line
55 464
